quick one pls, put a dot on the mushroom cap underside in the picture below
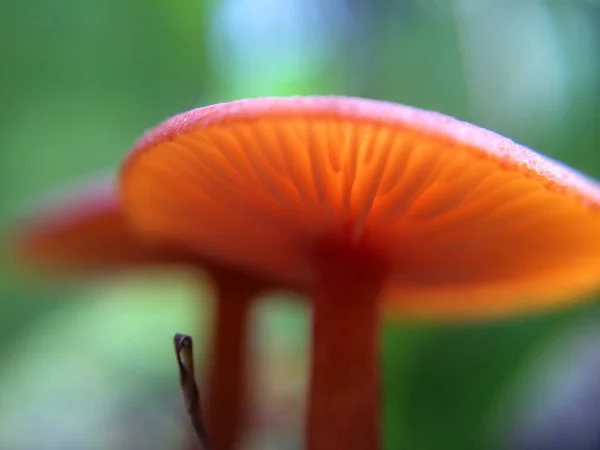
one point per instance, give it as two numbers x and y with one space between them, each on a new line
81 231
469 222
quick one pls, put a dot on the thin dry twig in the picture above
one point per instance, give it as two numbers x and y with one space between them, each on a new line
191 394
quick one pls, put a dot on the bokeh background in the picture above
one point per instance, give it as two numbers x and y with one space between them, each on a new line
90 366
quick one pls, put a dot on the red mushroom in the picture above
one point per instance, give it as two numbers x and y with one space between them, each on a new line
87 234
366 204
81 232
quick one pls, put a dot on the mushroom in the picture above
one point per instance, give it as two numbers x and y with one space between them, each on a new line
82 232
369 206
87 234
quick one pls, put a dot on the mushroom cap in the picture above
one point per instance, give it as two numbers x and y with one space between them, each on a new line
82 231
468 222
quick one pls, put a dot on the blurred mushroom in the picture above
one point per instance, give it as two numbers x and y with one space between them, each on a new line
87 234
83 232
366 204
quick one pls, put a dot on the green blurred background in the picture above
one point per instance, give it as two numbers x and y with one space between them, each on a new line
91 366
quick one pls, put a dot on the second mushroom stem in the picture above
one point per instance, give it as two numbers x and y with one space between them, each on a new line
343 410
226 400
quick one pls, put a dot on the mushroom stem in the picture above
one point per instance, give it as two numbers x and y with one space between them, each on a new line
343 410
226 393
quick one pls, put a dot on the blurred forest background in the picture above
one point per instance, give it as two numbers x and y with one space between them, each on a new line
91 367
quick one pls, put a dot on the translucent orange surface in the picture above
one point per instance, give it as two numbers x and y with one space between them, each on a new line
83 232
471 223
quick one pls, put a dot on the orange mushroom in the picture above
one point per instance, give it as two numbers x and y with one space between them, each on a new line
87 234
367 205
82 232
